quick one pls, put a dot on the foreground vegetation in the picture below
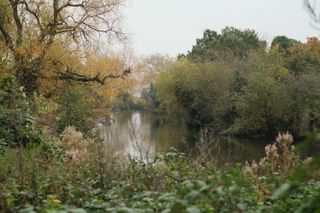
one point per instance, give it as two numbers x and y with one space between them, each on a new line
75 174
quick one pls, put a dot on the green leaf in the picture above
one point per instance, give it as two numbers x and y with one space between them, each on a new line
282 192
193 209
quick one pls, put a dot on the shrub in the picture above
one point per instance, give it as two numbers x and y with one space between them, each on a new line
75 110
197 92
46 113
76 147
16 115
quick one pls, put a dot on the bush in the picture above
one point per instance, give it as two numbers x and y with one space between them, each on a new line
265 105
197 92
76 147
17 119
75 110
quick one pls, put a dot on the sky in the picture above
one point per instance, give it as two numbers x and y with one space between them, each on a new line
172 26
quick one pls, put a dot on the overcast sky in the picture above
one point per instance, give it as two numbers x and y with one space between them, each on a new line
172 26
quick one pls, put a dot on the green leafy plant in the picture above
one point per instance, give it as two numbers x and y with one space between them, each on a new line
16 116
75 110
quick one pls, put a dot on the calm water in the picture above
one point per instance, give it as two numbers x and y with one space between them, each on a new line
142 135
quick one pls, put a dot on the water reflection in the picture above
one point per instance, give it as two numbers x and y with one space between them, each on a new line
142 135
223 150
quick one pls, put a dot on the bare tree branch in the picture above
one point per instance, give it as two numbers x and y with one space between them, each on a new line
7 37
36 15
314 15
19 26
70 74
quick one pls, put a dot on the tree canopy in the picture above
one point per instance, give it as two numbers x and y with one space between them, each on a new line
232 42
31 30
283 42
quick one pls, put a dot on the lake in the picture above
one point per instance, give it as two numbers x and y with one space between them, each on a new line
143 134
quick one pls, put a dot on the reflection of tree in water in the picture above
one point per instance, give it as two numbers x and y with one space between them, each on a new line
166 134
221 150
139 133
142 134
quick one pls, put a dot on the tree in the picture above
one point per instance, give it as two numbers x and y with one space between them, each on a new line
75 110
255 96
274 98
231 42
30 28
199 92
283 42
304 57
157 62
264 106
149 97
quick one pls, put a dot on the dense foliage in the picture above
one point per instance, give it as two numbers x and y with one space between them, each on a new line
267 91
81 175
232 42
17 117
75 110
